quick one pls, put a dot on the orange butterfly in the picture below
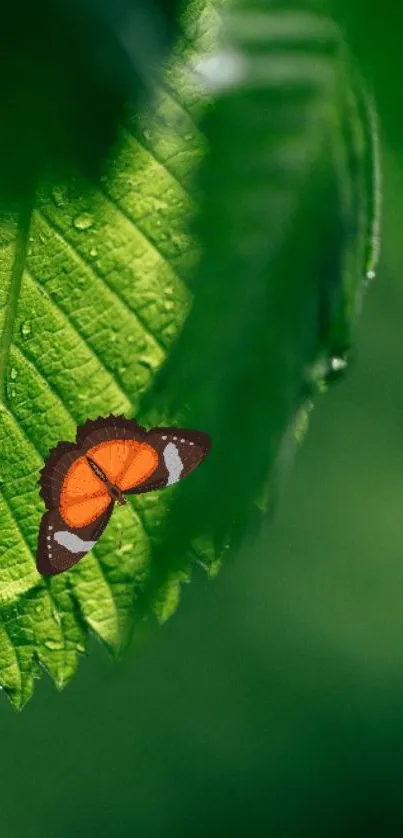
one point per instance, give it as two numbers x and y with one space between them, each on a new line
82 480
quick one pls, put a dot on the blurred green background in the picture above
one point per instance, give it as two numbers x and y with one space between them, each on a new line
272 703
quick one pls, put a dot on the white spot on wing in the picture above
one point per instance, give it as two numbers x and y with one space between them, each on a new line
73 543
173 463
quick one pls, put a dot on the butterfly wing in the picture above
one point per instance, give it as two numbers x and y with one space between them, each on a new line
77 501
177 452
61 546
78 504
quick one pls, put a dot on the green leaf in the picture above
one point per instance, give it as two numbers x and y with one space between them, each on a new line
92 294
242 313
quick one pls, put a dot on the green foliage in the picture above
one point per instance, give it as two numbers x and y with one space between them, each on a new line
96 285
92 295
288 232
67 71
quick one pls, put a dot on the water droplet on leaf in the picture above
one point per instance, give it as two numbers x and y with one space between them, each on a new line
13 373
125 548
25 329
83 221
93 251
338 364
56 615
58 196
53 645
160 205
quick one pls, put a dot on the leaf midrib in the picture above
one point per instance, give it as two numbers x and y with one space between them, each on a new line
21 246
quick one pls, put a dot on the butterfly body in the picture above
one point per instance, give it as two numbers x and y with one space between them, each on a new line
111 458
113 491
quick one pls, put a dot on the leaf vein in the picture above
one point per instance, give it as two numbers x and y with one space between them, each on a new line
147 147
135 223
112 375
132 312
22 534
14 289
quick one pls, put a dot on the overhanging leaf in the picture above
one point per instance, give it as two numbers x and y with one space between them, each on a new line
288 228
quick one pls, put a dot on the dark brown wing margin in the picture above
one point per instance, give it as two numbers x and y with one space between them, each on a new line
53 557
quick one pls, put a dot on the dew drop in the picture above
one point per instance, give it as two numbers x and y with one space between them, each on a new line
83 221
146 361
125 548
25 329
56 616
370 275
122 370
160 205
338 364
80 648
13 373
93 252
13 394
53 645
168 305
58 196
